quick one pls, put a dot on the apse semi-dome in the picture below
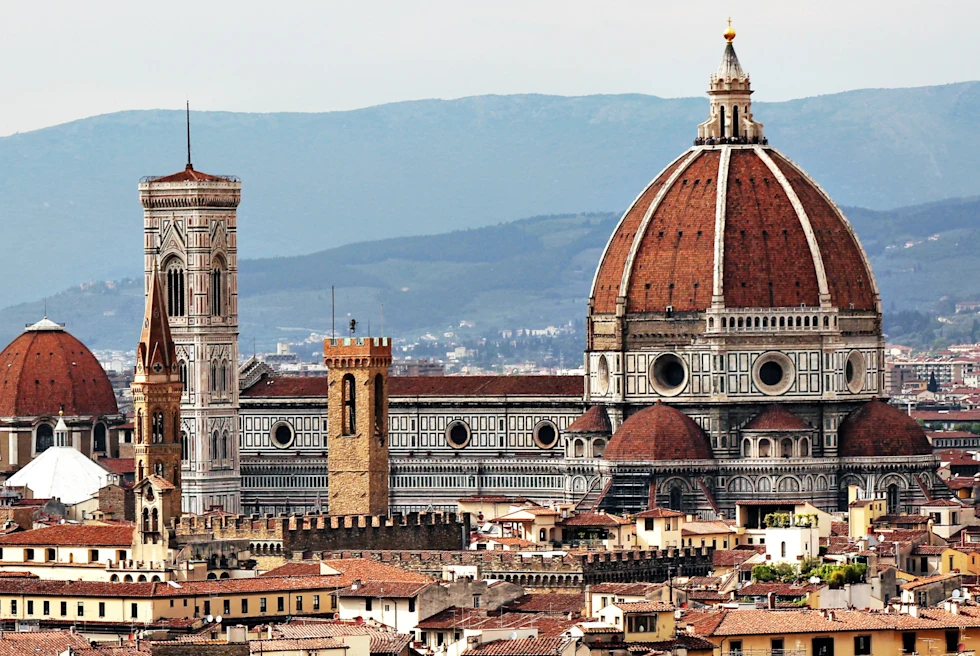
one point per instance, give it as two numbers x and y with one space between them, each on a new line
46 370
658 432
877 429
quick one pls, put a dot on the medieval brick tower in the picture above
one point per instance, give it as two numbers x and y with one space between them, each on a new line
156 391
189 226
357 401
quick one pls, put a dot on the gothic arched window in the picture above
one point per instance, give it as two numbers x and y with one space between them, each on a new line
184 446
45 438
214 445
146 520
176 293
217 290
224 445
214 376
155 521
182 373
158 428
139 427
350 405
676 501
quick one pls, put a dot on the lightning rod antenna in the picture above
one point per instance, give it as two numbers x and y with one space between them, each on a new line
188 109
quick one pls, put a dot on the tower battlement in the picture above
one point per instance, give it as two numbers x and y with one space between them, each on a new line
375 349
303 533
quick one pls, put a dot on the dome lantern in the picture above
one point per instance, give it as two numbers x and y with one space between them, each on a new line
730 114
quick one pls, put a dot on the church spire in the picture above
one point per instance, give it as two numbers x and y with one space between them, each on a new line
155 353
729 90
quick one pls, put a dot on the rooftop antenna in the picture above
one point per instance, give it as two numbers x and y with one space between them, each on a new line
189 165
382 321
333 314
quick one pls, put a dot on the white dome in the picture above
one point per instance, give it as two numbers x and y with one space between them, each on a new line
62 472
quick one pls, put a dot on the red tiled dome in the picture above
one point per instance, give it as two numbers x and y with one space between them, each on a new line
658 432
776 417
46 368
879 429
593 420
769 253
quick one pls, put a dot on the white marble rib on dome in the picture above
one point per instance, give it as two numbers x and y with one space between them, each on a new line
62 472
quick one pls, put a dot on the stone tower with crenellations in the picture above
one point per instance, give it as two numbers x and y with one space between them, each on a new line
357 401
190 235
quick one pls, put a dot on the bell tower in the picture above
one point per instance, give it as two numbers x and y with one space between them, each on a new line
357 402
156 389
190 235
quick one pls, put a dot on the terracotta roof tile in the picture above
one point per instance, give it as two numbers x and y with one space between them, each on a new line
877 429
658 432
294 569
81 535
594 519
121 466
523 647
594 420
655 513
549 602
43 370
40 643
288 387
730 557
628 589
189 175
776 417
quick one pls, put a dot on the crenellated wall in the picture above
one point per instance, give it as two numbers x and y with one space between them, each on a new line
550 570
288 534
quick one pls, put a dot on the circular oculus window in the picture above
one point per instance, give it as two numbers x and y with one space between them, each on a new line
545 435
282 435
855 369
773 373
668 375
458 434
602 376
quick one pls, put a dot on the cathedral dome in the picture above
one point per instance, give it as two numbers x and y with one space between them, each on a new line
735 225
658 432
46 369
732 223
877 429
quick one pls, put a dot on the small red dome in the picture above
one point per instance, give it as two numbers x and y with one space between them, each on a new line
783 241
658 433
594 420
878 429
776 417
46 368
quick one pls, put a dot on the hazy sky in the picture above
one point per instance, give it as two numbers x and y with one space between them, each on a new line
68 60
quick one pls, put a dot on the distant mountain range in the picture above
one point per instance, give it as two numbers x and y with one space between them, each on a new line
68 200
530 273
